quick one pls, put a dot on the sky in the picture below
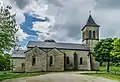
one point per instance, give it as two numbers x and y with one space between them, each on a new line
62 20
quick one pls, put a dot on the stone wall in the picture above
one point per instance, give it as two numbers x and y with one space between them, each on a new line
58 60
84 54
43 60
40 64
95 64
17 63
85 60
69 53
90 43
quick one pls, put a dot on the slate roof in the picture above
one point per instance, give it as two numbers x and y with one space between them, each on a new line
68 46
91 22
18 53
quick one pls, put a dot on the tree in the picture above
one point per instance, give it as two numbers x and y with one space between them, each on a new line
7 36
102 51
116 49
5 62
7 29
7 58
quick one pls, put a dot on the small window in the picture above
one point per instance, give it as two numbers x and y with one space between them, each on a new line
23 65
81 61
51 60
93 34
33 60
68 60
90 34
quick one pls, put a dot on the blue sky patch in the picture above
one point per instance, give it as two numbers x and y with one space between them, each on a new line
27 26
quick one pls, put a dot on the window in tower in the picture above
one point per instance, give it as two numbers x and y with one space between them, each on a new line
90 34
93 34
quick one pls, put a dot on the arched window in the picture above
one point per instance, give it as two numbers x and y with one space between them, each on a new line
68 60
81 61
93 34
51 60
23 65
33 60
90 34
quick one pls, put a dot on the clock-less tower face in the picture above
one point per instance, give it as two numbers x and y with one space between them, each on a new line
90 33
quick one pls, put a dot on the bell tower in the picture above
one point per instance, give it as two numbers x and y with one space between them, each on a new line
90 33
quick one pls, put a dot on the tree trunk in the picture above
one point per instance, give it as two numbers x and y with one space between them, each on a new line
108 65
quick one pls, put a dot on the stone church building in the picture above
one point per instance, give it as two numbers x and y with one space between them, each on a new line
50 55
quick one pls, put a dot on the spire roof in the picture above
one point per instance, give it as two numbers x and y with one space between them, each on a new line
91 22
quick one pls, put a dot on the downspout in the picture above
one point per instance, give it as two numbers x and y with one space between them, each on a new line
91 61
46 51
46 61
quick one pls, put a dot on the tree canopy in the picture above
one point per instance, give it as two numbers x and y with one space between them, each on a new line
7 29
116 48
102 50
7 36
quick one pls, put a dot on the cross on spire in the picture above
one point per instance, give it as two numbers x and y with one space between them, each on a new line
90 12
90 22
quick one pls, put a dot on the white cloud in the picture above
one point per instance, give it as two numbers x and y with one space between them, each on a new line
67 17
15 9
36 7
41 26
20 18
33 7
21 35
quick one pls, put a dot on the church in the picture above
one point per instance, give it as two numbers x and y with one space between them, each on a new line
50 55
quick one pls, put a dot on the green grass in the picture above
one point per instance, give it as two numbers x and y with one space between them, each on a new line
106 75
113 74
18 75
112 68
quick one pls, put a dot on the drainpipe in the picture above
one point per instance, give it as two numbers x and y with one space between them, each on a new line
46 61
90 61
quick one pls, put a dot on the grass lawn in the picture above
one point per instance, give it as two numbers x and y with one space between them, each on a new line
111 75
112 68
18 75
106 75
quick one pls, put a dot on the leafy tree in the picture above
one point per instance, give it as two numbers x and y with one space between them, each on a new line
7 58
2 62
116 49
7 29
7 36
5 62
102 51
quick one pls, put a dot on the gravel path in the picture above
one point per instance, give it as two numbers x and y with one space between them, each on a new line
61 77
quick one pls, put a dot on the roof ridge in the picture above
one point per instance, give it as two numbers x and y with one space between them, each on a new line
56 42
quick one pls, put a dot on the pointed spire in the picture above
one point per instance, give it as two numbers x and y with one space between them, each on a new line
90 22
